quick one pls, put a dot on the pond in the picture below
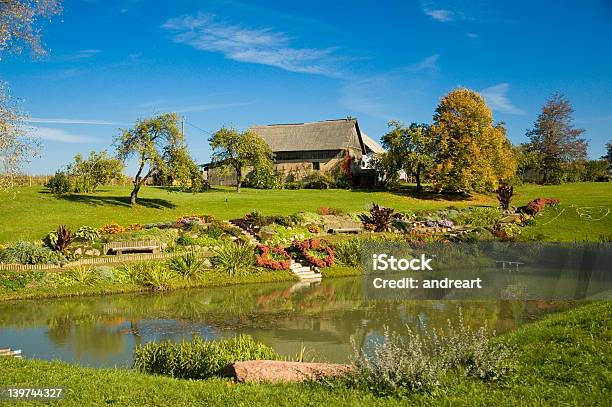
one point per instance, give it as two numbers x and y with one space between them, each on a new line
325 318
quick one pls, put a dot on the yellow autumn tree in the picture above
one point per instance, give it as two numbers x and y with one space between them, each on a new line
473 153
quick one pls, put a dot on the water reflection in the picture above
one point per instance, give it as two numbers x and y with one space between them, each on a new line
102 331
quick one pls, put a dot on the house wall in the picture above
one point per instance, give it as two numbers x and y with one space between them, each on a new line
291 170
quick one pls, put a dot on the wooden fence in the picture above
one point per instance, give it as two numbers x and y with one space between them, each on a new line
91 261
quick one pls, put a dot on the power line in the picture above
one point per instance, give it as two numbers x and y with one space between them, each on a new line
199 128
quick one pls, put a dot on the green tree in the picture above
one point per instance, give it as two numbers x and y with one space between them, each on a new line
473 153
94 171
411 149
608 156
151 141
238 151
556 139
182 169
596 170
386 168
529 162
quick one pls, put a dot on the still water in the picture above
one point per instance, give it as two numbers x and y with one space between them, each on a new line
325 318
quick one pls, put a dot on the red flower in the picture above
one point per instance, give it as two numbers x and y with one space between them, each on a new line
265 259
315 252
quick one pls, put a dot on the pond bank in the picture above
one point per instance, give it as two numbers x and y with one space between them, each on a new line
207 279
562 359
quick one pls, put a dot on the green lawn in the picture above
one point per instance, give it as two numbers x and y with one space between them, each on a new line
564 359
32 212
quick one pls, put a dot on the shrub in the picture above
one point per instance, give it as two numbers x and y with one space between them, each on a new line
505 193
479 217
105 273
264 178
60 183
234 258
186 240
14 280
30 253
348 252
324 210
213 231
63 238
506 231
284 220
293 185
148 274
379 219
198 359
315 251
275 258
534 207
256 218
318 180
82 275
418 361
157 277
310 218
187 265
398 365
87 233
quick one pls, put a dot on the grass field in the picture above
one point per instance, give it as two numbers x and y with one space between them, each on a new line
564 359
32 212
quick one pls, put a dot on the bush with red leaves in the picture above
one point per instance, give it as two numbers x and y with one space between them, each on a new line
534 207
316 252
275 258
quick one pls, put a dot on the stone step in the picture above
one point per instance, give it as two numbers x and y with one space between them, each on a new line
314 277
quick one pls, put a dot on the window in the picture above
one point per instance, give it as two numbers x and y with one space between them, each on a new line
316 166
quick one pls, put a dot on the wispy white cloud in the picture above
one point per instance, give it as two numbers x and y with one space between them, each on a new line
81 54
440 14
378 95
59 135
497 97
72 121
206 107
428 65
255 45
472 36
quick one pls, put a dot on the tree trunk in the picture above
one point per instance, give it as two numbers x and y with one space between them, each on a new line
238 179
417 175
134 195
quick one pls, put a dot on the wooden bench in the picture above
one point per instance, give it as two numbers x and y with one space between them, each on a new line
147 246
344 230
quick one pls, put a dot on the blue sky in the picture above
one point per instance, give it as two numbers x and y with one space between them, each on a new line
224 62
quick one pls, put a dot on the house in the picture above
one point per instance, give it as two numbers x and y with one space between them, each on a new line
302 148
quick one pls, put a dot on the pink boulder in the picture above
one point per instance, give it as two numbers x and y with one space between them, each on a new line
275 371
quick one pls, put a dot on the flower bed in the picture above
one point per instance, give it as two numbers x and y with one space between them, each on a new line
316 252
275 258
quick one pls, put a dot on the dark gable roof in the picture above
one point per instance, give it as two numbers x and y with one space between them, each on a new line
325 135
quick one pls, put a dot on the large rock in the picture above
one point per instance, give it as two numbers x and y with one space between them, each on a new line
279 371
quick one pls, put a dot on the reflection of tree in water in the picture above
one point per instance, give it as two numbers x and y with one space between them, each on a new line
96 337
